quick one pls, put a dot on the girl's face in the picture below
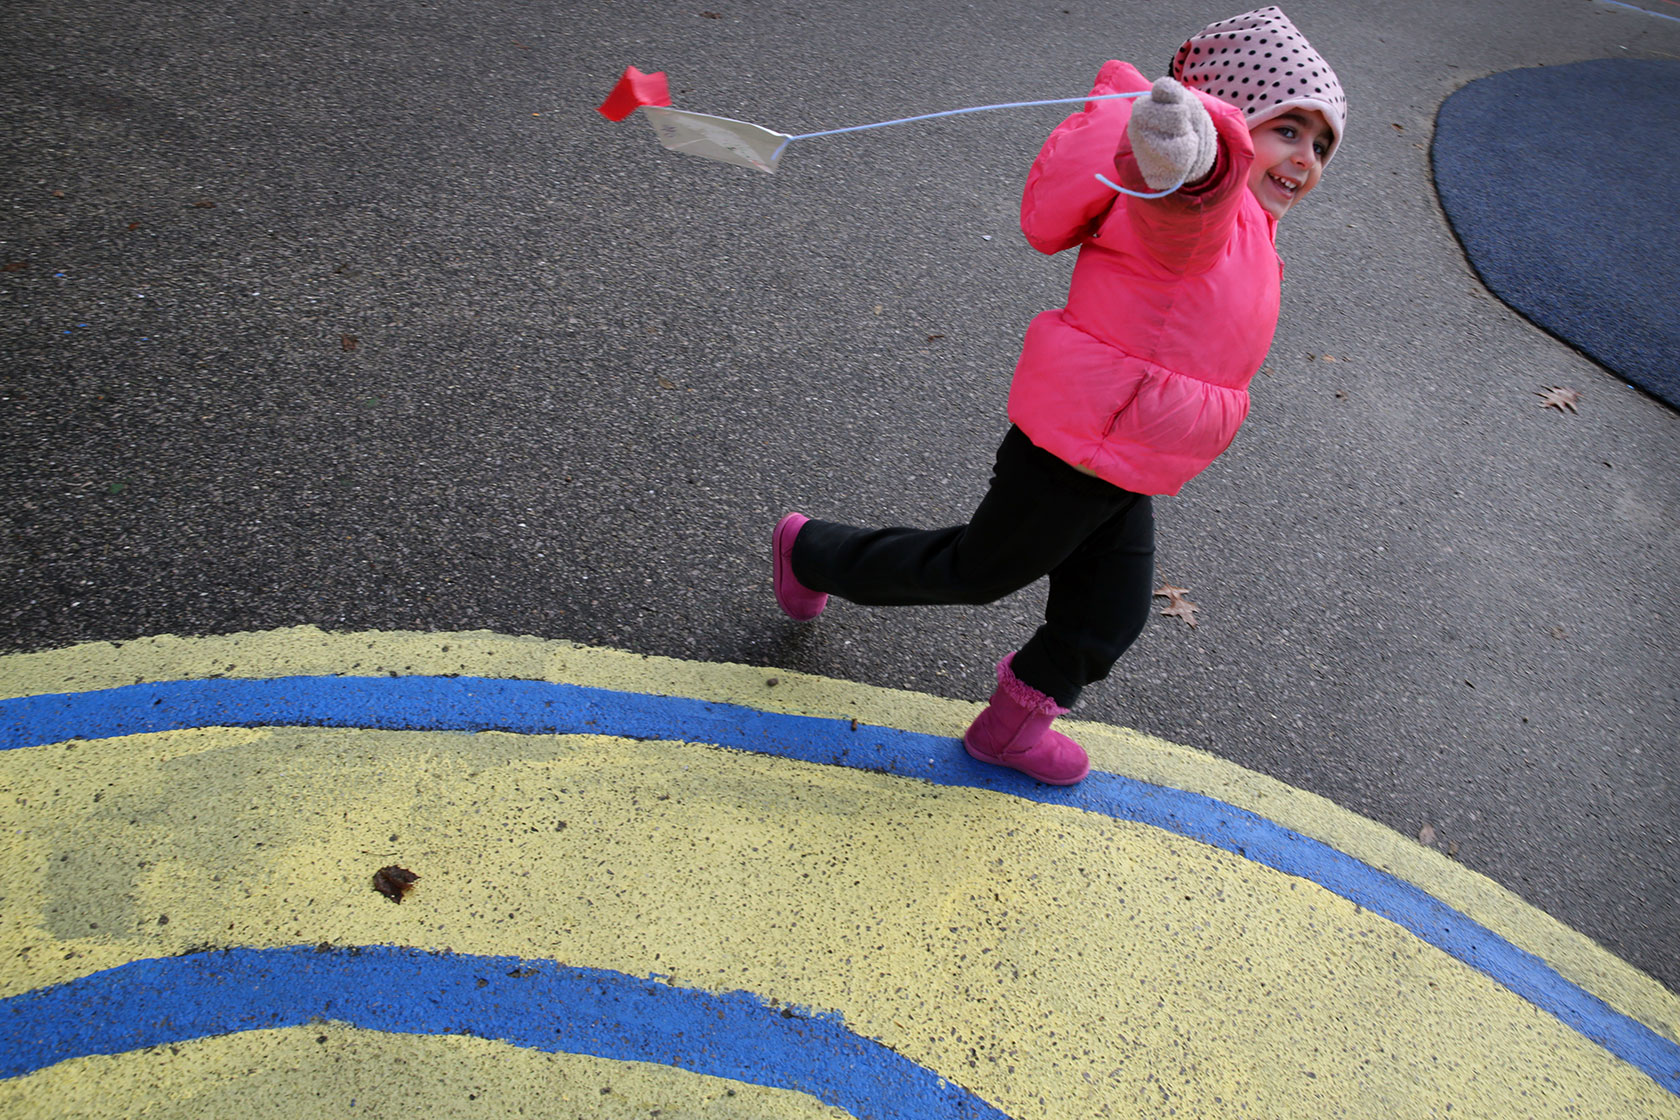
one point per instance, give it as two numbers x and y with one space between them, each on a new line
1289 153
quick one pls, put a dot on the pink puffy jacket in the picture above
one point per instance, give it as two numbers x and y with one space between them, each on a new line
1143 377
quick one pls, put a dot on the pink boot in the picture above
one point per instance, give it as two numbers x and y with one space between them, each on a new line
799 602
1014 731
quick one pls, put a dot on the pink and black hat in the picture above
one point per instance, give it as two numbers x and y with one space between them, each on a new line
1260 63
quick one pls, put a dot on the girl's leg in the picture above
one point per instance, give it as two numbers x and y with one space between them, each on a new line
1099 601
1032 521
1098 604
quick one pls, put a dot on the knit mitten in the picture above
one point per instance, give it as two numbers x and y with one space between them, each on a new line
1172 136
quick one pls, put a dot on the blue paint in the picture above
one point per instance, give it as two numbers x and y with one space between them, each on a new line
539 1005
473 704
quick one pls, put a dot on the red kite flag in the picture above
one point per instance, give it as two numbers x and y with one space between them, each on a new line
634 90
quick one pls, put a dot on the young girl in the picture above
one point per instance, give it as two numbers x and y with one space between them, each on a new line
1131 389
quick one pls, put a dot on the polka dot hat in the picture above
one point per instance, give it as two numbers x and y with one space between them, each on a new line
1261 64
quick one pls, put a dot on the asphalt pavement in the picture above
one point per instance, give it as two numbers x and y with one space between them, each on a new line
360 317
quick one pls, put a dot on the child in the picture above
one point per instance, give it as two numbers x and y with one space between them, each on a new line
1131 389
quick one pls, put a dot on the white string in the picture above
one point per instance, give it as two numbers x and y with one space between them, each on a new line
1103 179
985 108
973 109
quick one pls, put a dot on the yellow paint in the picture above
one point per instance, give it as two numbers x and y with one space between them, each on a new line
332 1072
308 651
1054 961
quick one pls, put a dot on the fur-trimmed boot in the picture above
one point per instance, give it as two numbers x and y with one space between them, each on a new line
1014 731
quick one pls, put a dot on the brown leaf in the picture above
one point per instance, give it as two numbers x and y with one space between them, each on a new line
667 383
1168 591
1399 127
393 882
349 341
1426 835
205 204
1181 608
133 225
1559 398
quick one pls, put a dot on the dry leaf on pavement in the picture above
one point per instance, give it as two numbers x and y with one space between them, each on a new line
1177 605
393 882
1181 608
1559 398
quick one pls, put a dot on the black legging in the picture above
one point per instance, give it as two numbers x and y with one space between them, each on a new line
1039 517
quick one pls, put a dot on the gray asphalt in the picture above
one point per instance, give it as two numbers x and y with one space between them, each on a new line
587 375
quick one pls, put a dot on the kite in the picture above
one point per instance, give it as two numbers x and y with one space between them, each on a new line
751 145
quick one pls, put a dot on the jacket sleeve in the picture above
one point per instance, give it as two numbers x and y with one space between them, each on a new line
1187 230
1063 203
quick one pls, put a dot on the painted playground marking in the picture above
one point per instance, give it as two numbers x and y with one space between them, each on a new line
602 727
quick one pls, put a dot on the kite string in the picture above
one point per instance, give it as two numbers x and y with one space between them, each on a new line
971 109
984 108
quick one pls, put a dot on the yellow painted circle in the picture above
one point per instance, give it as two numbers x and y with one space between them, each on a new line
1053 961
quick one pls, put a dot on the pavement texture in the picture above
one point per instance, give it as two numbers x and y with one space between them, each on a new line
665 887
1589 249
361 318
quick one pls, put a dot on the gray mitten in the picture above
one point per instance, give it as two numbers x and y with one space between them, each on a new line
1172 136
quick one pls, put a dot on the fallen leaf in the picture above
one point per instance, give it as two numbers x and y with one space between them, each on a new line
1398 127
349 341
133 225
1168 591
1426 835
667 383
1559 398
1327 357
1181 608
935 337
393 882
204 204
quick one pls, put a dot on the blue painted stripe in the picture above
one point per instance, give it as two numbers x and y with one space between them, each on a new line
539 707
540 1005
